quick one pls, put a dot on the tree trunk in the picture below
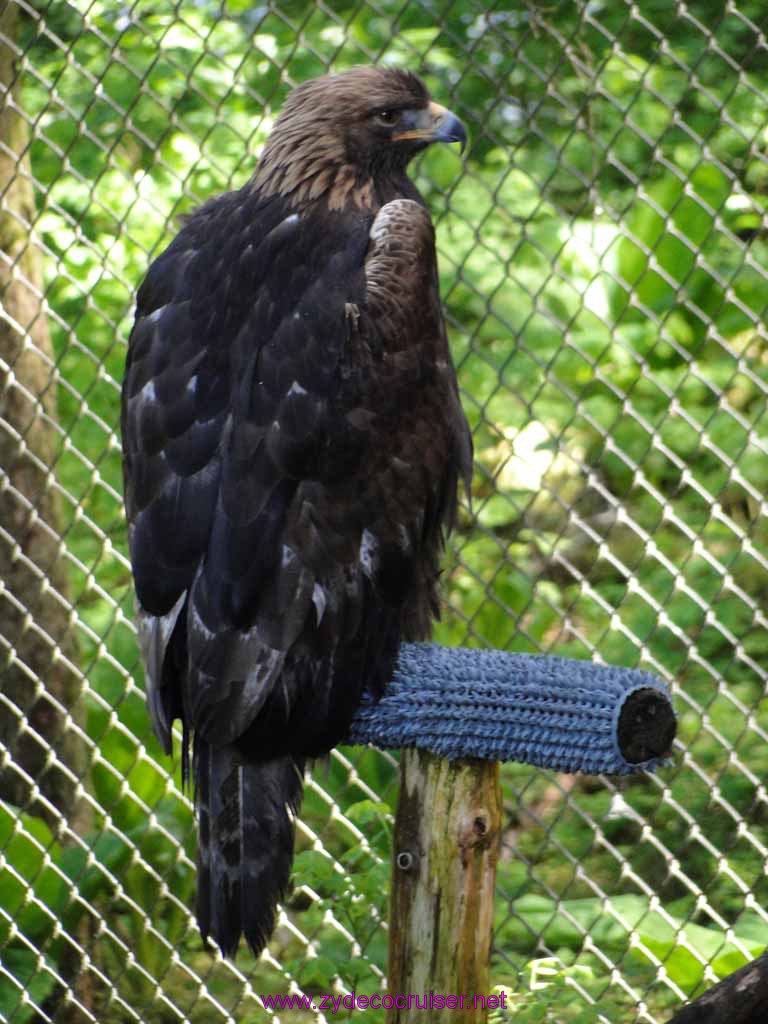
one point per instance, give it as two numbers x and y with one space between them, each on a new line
443 875
741 998
43 758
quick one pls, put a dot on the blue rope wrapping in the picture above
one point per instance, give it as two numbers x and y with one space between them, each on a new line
546 711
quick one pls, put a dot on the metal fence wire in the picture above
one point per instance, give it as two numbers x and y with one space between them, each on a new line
604 265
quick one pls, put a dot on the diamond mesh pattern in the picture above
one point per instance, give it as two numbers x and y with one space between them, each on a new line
604 263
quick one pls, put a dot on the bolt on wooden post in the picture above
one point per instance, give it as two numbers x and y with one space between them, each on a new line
446 844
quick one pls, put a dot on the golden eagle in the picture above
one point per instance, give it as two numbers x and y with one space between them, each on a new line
293 442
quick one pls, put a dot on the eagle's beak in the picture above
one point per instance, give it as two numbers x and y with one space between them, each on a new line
434 124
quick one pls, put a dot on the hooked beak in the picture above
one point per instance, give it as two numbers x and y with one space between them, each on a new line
434 124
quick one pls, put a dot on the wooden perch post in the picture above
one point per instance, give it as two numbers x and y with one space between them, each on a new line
443 875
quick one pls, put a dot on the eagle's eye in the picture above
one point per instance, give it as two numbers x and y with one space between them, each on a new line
386 117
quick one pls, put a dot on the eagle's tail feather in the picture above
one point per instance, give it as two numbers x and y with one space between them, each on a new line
245 844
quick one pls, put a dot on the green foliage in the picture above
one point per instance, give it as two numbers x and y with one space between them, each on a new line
603 261
23 965
555 994
660 934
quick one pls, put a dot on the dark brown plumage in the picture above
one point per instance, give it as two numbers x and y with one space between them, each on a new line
293 442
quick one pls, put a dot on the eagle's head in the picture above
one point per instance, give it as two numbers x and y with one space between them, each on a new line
341 137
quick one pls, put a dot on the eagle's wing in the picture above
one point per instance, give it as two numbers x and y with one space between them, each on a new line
175 401
293 439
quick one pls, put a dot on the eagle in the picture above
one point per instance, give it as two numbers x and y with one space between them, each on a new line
293 445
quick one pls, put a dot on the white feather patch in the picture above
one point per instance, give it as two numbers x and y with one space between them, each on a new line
319 600
155 315
368 553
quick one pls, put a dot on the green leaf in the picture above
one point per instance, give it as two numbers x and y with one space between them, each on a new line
34 893
34 978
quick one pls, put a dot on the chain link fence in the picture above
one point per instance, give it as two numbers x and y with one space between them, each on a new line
604 263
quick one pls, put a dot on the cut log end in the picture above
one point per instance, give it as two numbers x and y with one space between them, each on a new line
647 726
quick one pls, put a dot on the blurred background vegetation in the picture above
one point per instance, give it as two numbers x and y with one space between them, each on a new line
603 263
